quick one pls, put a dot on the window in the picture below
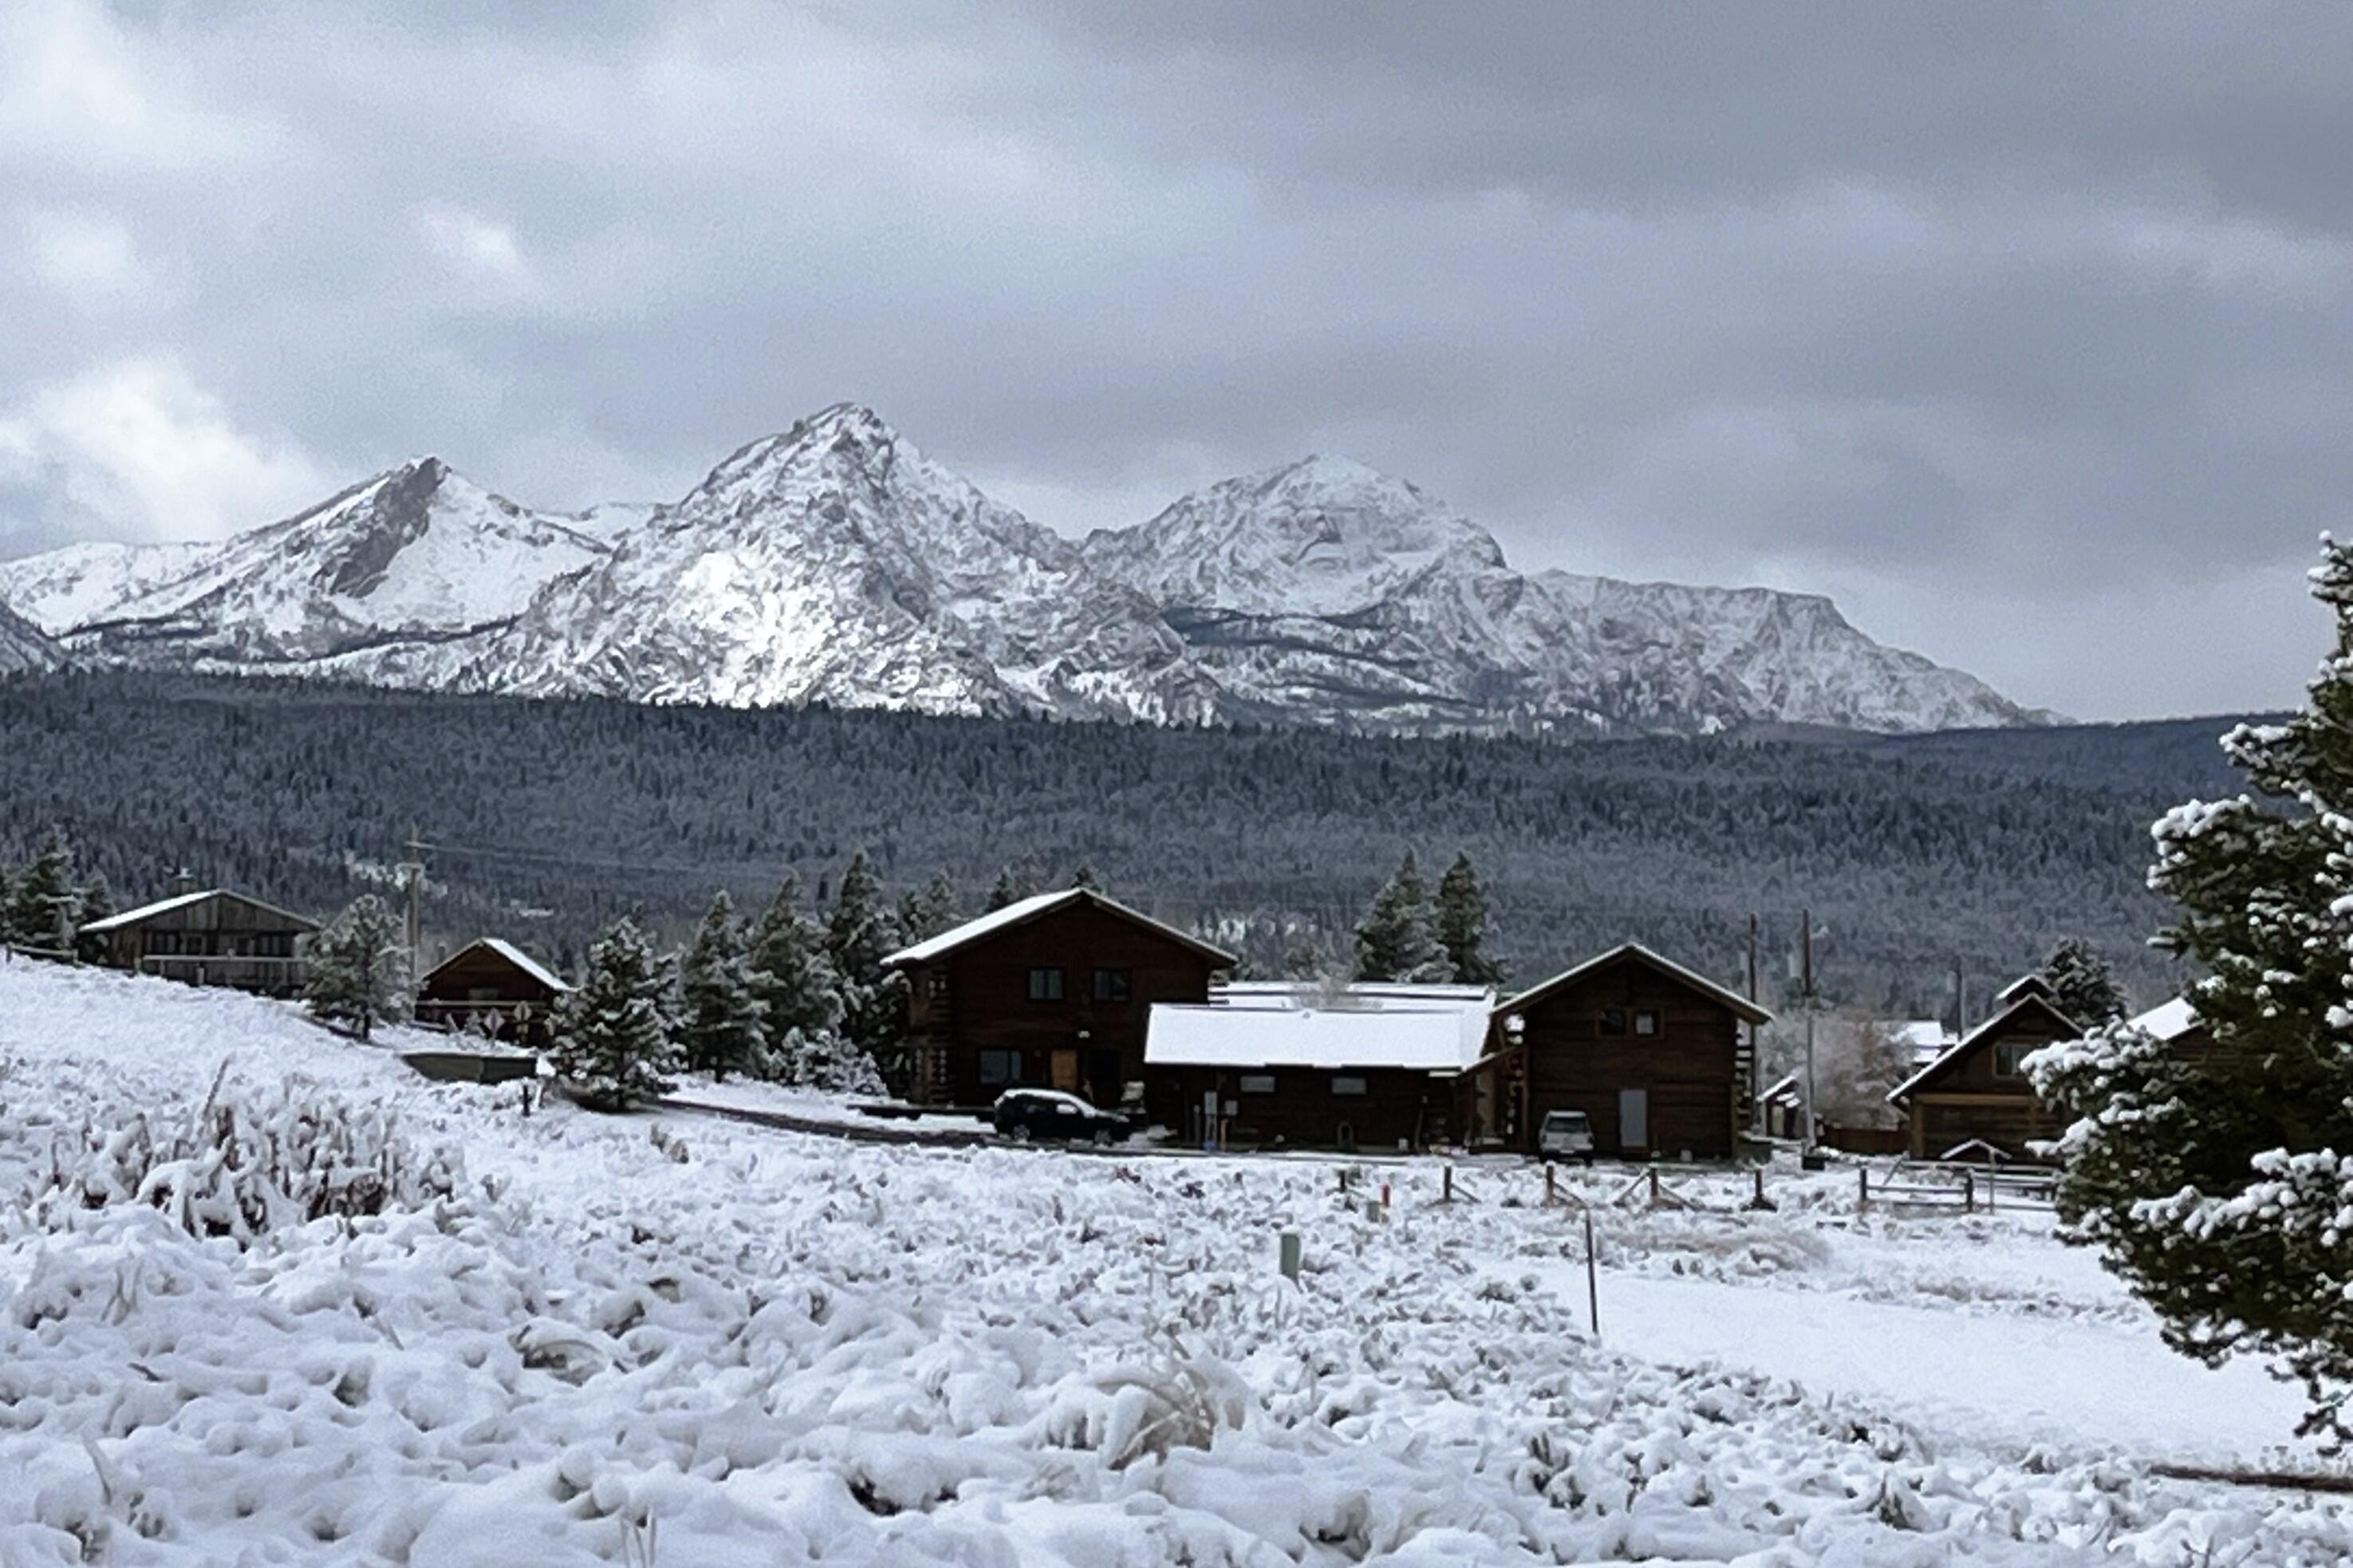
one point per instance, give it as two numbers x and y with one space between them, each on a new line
998 1069
1258 1083
163 943
1613 1020
1347 1085
2009 1057
1646 1023
1045 985
935 983
1111 986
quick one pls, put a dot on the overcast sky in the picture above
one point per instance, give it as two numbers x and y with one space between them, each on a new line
2029 337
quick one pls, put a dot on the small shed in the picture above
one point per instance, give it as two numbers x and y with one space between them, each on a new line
1977 1090
491 985
209 936
1371 1067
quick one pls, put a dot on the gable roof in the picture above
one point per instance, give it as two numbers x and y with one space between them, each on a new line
2024 985
507 951
2168 1020
1433 1038
1976 1037
146 912
1747 1011
1024 911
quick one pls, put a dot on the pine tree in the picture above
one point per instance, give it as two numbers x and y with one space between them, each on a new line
96 901
357 969
1462 926
2081 984
1084 877
798 993
612 1043
2215 1180
720 1028
1010 887
858 935
43 911
926 914
1399 940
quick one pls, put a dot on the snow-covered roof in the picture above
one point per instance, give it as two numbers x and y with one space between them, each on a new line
2025 984
513 955
1029 909
1741 1006
1925 1038
146 912
2168 1020
1358 995
1968 1042
1426 1039
1786 1085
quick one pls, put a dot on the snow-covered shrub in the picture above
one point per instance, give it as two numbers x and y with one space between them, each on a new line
248 1160
1178 1398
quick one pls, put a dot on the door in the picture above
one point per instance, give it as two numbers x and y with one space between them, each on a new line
1634 1119
1066 1071
1103 1081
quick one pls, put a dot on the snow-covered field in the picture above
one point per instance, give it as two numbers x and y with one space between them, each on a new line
685 1341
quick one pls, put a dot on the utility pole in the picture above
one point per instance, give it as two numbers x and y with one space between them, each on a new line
1755 1069
1960 1003
412 876
1806 995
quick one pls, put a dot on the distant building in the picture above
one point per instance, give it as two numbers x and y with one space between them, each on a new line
492 986
1651 1051
1053 991
209 937
1977 1090
1282 1064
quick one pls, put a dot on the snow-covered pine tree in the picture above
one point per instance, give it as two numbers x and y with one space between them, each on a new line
357 969
858 935
1462 925
720 1027
44 910
1012 887
1399 940
2216 1181
612 1043
929 913
97 903
798 993
2081 984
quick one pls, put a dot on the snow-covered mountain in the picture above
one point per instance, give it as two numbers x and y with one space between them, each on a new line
1327 591
25 647
836 563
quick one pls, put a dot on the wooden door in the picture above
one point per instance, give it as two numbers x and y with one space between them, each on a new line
1634 1119
1066 1071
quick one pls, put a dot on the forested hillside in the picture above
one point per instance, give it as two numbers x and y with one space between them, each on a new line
549 816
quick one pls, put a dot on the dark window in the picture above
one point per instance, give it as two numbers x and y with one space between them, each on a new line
935 983
1111 986
1613 1020
1646 1023
1045 985
999 1068
1258 1083
2009 1057
163 943
1347 1085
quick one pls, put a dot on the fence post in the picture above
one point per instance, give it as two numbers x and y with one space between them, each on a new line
1550 1199
1654 1186
1862 1188
1344 1181
1290 1255
1970 1191
1993 1191
1446 1190
1592 1290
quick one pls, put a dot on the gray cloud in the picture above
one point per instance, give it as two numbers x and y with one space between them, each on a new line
2028 335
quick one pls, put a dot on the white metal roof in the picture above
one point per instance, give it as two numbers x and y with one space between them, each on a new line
145 912
1428 1039
2169 1020
1357 997
1029 909
513 955
1742 1007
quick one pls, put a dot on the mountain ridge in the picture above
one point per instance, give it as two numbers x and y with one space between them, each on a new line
833 562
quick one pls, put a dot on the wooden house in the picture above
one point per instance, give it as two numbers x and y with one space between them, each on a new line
493 986
208 937
1268 1066
1977 1092
1651 1051
1053 991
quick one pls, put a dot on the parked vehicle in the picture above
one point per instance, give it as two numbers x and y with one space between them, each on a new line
1022 1114
1566 1135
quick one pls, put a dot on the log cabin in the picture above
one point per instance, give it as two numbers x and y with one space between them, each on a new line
1977 1092
1053 991
1651 1051
493 986
208 936
1281 1065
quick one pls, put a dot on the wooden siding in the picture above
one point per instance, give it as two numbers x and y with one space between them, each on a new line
224 939
1399 1107
480 982
1970 1099
1689 1069
975 998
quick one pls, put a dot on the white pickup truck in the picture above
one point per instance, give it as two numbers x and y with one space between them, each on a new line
1566 1135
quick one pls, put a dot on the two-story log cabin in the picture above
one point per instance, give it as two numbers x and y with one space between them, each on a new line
1052 990
1651 1051
1978 1092
493 985
209 937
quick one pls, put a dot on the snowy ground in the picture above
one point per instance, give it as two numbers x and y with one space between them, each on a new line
684 1341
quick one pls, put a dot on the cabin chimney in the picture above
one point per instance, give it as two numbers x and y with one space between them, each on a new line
182 881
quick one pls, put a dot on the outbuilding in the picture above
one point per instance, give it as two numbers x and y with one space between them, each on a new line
209 936
491 985
1977 1092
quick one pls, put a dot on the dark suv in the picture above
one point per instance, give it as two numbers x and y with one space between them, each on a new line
1022 1114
